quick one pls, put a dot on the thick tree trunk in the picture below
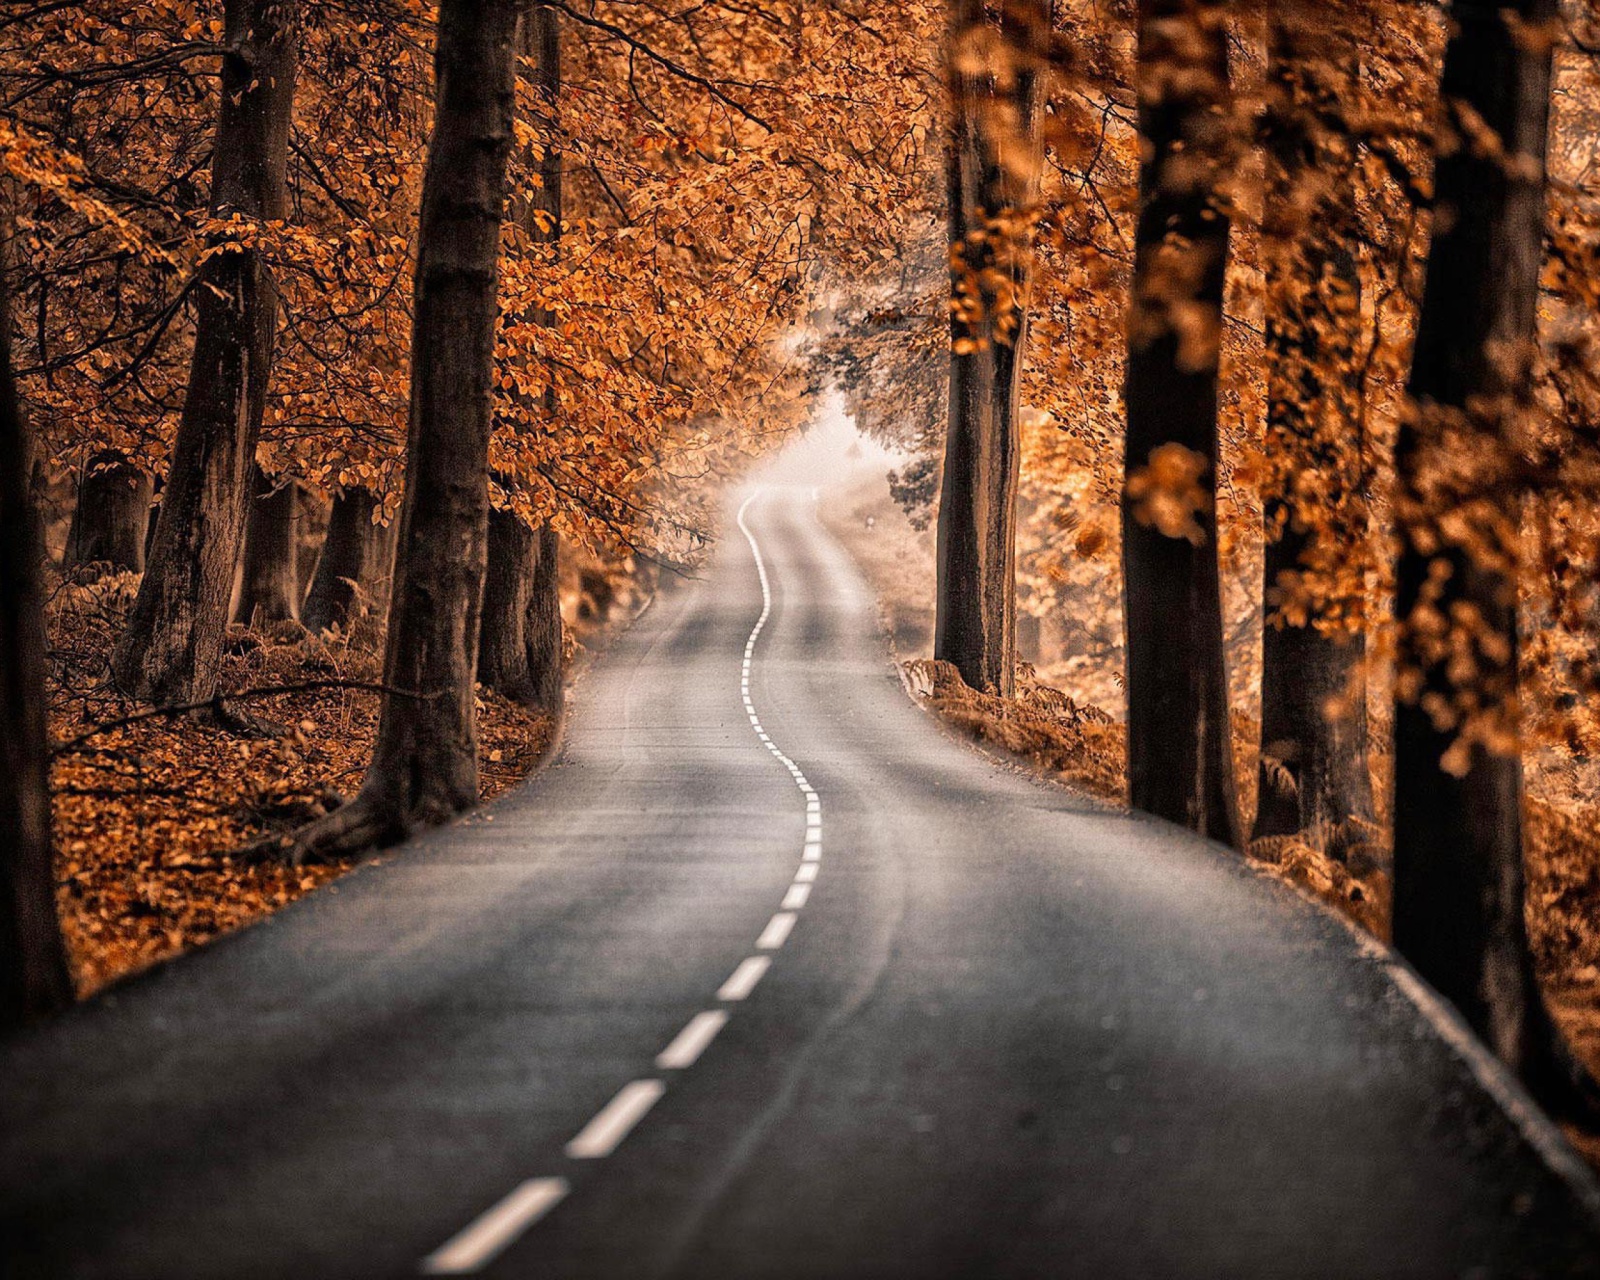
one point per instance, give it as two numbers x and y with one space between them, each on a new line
33 968
1179 756
269 586
519 657
172 648
425 763
521 652
352 555
1313 774
1458 874
992 173
111 515
1314 778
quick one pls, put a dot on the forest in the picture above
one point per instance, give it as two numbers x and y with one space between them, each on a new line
367 367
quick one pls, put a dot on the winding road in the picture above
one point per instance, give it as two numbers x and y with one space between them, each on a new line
768 975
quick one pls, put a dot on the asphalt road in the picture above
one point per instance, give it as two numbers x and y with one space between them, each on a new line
632 1021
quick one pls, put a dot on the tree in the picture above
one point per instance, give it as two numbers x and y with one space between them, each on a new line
425 763
352 556
1313 774
1179 754
1458 871
996 81
111 518
172 648
521 646
269 586
33 968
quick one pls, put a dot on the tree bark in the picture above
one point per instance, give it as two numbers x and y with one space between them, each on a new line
33 967
111 515
269 587
352 553
1179 755
1458 873
1313 773
521 653
425 762
546 650
171 650
994 120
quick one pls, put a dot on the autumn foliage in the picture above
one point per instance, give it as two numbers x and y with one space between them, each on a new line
1146 298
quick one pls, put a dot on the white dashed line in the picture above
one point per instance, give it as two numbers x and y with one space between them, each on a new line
691 1042
483 1240
777 931
744 978
615 1120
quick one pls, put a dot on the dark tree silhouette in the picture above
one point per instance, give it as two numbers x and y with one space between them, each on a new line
33 967
1313 776
269 586
353 558
425 762
1179 757
172 648
111 517
521 652
992 183
1458 871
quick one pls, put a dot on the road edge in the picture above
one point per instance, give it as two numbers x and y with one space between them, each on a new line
1532 1124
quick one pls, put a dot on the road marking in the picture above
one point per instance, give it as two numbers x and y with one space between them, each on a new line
615 1120
777 931
482 1240
744 978
486 1237
691 1042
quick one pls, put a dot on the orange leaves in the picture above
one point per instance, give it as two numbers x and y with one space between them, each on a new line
1168 495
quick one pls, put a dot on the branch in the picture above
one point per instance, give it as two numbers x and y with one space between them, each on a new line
677 69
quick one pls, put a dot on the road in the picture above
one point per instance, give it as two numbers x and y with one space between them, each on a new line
779 980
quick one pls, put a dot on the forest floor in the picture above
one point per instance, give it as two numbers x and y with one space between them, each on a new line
146 814
1081 742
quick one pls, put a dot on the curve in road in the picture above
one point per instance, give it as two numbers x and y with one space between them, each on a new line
1017 1034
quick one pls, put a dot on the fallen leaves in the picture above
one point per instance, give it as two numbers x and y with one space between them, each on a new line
145 820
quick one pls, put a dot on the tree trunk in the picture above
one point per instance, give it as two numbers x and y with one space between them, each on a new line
351 556
269 587
1179 755
172 648
111 515
992 174
1458 874
518 656
1313 773
546 653
425 762
33 967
